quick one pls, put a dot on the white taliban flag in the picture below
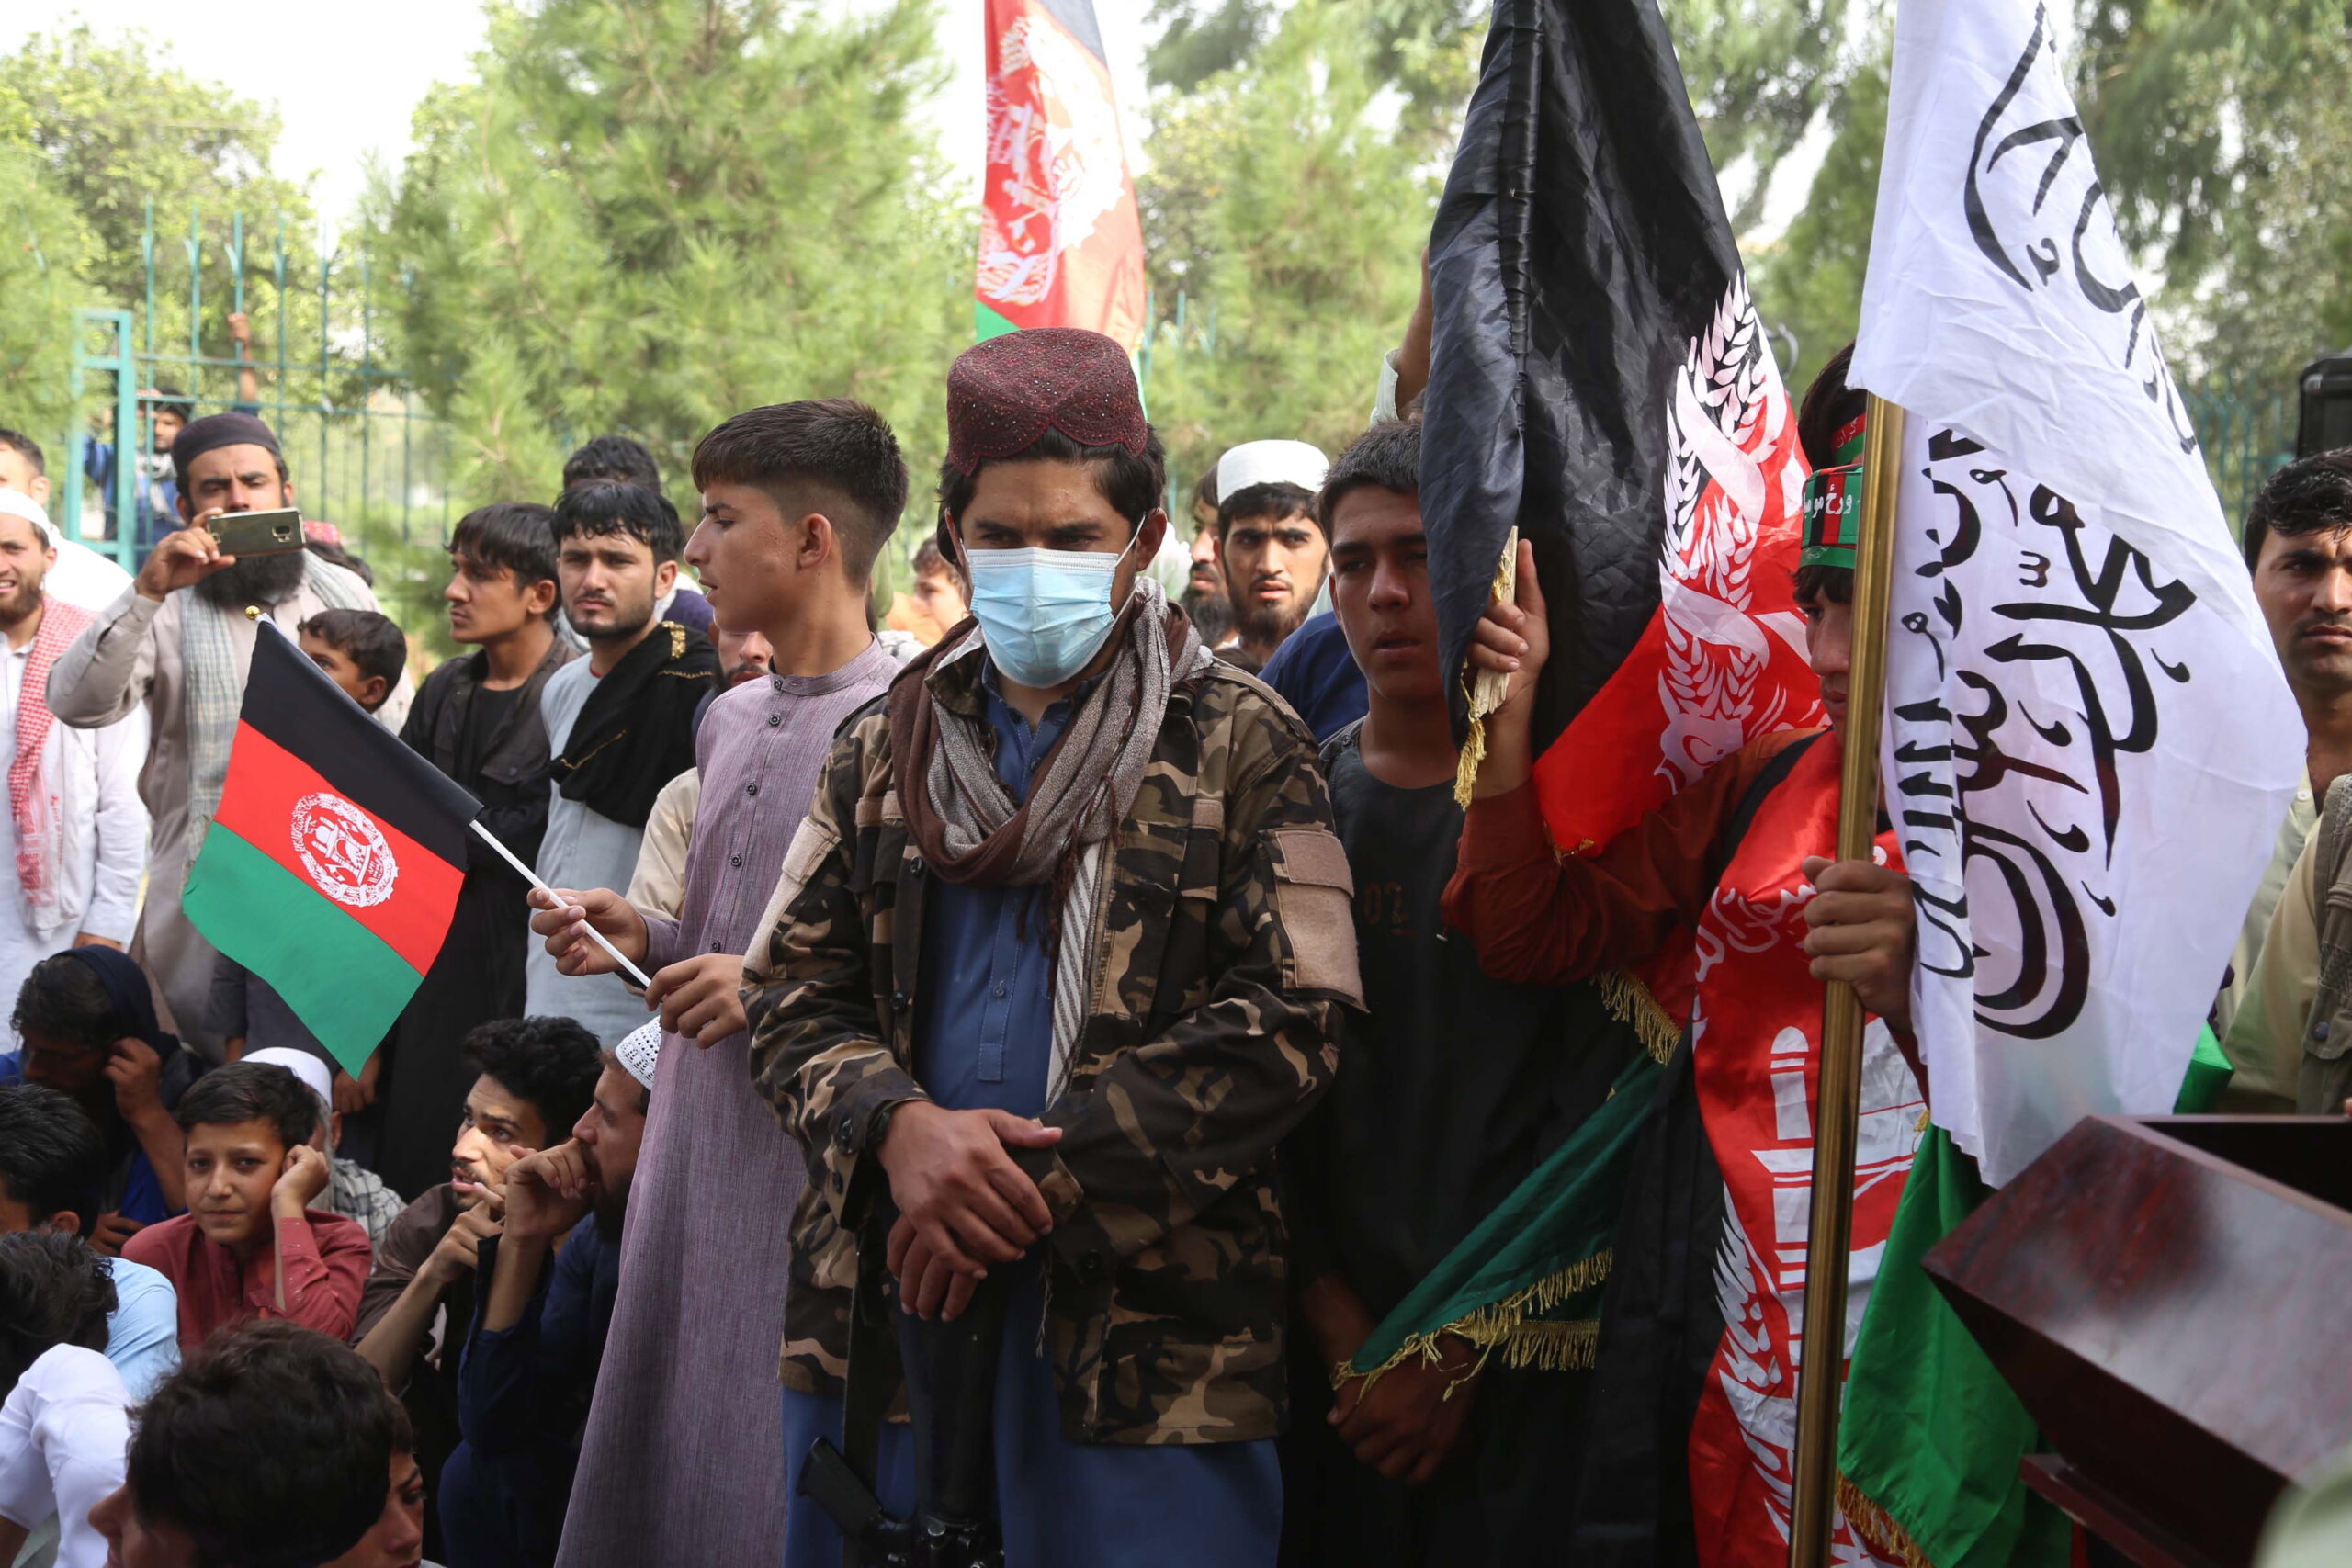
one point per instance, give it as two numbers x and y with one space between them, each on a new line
2089 745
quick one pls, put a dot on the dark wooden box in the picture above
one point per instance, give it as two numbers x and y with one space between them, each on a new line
2172 1299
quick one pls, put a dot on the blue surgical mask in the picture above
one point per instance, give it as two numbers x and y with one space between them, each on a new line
1045 613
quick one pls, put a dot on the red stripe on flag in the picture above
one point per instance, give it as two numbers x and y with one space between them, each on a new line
386 881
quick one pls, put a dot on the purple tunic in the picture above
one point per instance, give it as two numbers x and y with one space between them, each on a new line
682 1461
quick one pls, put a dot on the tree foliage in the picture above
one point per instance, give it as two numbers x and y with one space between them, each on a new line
645 217
42 285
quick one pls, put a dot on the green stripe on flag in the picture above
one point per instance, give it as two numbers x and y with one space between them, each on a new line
987 324
341 980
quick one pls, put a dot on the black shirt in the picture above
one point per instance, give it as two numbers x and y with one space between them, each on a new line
1452 1085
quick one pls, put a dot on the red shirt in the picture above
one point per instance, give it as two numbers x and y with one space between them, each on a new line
326 1263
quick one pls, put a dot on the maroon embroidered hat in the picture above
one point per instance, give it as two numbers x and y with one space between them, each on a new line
1004 393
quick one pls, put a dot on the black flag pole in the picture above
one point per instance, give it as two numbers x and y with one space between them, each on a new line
1821 1363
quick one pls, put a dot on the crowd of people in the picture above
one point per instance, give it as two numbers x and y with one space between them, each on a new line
1080 1011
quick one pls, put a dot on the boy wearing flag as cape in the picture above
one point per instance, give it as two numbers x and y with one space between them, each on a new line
1738 860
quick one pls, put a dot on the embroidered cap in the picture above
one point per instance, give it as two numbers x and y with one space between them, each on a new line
1004 393
640 1052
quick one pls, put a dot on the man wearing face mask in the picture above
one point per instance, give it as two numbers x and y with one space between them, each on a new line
1057 961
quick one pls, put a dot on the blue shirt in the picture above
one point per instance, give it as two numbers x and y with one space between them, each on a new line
984 1040
143 1330
1315 674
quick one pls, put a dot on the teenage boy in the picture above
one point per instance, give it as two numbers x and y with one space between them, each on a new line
1740 861
1444 1459
53 1169
799 500
620 723
1114 854
1271 550
251 1246
353 1191
548 1282
478 720
272 1445
362 651
87 1018
532 1078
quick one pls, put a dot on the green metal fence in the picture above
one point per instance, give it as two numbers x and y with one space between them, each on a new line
362 452
2248 431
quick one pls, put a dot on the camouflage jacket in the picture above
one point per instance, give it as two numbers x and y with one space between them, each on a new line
1224 948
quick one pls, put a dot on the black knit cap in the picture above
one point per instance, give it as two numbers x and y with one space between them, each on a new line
200 436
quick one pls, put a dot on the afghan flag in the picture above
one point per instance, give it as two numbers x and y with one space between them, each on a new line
333 866
1061 237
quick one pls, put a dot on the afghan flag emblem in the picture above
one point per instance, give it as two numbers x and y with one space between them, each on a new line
333 866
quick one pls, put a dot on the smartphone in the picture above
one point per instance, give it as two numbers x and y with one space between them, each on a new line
259 533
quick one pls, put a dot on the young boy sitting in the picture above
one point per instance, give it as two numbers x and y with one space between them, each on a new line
363 651
250 1245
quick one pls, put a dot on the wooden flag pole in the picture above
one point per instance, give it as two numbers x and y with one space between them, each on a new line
1822 1351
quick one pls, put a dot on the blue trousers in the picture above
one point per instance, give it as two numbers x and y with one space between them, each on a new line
1064 1505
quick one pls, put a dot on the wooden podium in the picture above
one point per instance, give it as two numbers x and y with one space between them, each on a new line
2171 1297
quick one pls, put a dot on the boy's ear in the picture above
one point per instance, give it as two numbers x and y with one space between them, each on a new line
377 689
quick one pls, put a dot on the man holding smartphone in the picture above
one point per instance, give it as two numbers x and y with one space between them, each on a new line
179 641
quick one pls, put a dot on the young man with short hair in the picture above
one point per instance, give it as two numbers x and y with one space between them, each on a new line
362 651
1114 853
271 1445
1270 547
620 723
477 719
251 1246
546 1306
934 604
74 832
799 500
178 644
53 1173
87 1018
1451 1457
532 1078
617 460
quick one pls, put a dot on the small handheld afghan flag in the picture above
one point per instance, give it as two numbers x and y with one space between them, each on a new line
333 866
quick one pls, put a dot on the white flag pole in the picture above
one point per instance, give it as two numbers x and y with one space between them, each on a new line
509 856
1821 1360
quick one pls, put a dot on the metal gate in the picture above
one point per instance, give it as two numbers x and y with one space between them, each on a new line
362 452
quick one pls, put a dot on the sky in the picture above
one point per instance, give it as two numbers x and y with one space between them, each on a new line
347 84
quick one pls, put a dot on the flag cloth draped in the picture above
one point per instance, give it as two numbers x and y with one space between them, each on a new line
1061 237
333 866
2089 743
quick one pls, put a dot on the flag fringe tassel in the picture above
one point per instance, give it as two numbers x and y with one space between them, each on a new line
1877 1527
1625 994
1483 692
1511 1329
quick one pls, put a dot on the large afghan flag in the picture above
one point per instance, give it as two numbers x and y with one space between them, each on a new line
333 866
1061 237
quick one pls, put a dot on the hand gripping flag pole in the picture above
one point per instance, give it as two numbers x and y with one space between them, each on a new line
1822 1352
533 877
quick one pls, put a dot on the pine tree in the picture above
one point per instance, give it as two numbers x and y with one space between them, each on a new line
643 216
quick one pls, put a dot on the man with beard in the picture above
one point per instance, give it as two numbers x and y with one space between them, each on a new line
1272 549
1204 600
620 460
531 1360
179 641
74 827
620 722
534 1076
81 575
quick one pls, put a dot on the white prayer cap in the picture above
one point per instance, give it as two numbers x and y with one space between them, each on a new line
301 1064
17 504
641 1052
1268 463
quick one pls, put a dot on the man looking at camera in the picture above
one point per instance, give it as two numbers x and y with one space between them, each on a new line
179 641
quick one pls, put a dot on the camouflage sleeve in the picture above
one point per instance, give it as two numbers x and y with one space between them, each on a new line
1170 1127
818 1053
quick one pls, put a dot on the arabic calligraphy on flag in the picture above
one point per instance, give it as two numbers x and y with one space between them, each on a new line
2089 745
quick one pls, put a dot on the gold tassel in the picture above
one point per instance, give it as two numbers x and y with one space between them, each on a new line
1877 1527
1511 1328
1624 994
1484 690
